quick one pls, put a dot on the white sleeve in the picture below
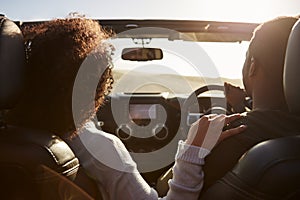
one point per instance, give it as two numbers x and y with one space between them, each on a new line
106 160
187 181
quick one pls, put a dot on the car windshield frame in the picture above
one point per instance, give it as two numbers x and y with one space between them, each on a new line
178 32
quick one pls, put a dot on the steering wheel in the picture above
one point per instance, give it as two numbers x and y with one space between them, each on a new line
193 99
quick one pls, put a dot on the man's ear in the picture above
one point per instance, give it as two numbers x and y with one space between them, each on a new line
253 67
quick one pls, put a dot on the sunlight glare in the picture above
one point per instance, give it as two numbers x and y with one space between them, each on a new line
247 11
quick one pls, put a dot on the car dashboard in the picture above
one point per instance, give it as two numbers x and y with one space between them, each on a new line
146 122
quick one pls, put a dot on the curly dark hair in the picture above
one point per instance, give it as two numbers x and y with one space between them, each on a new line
55 51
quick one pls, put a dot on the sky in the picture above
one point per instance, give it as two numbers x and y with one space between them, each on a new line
226 10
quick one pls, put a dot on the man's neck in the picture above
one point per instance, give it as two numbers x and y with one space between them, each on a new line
268 100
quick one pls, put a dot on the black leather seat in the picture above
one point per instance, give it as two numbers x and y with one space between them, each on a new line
271 169
31 161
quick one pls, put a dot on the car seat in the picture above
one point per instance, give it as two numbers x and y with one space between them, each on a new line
31 161
271 169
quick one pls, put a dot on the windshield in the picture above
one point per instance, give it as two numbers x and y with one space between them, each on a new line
185 66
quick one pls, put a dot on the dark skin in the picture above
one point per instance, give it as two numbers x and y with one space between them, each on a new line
235 97
265 92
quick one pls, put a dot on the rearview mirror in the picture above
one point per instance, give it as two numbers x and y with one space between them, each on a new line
142 54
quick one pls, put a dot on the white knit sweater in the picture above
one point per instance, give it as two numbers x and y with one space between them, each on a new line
106 160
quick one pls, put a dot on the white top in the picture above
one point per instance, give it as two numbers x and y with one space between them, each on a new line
106 160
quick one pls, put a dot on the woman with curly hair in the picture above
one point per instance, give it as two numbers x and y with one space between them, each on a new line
56 52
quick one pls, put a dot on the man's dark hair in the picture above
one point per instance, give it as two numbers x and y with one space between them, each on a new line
268 45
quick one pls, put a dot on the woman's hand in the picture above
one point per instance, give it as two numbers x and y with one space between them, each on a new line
207 131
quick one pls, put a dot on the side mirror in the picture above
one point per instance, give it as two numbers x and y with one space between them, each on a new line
142 54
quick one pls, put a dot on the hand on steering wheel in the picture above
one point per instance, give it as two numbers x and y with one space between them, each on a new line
192 99
235 97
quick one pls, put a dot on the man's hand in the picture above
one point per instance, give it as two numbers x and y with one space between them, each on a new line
207 131
235 97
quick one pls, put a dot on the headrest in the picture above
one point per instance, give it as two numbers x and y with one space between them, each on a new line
291 76
12 65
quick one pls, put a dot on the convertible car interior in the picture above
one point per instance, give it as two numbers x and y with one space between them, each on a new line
147 121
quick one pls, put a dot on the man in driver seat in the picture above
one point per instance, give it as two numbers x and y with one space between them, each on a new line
263 81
